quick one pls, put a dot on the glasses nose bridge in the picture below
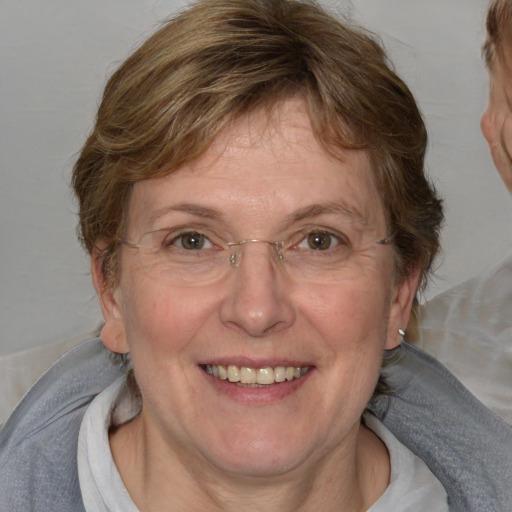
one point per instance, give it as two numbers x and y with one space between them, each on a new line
236 249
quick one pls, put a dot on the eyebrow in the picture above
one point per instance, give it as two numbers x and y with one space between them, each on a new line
331 208
314 210
191 208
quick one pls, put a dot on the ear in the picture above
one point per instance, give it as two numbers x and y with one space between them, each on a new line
401 305
113 332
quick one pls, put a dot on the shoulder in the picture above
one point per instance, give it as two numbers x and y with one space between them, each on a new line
468 328
38 443
467 447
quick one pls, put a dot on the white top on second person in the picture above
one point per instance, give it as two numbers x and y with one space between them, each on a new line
469 329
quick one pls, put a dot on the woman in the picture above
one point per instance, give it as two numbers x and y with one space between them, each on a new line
468 329
468 326
496 123
254 204
254 250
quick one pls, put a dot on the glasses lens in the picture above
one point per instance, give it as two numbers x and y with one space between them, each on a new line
187 258
198 258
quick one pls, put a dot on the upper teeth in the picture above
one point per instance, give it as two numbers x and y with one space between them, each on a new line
246 375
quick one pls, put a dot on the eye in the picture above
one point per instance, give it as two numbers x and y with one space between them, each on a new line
319 241
190 241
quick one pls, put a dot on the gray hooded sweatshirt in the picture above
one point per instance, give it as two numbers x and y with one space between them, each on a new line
465 445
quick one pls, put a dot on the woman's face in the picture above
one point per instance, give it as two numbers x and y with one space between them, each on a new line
496 121
264 180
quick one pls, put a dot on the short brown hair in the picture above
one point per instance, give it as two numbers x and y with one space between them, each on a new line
220 60
498 25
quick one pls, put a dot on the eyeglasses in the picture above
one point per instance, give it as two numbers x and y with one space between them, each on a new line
200 257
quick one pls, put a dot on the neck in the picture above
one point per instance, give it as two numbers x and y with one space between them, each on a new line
350 478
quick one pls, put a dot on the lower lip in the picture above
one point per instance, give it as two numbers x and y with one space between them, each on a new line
257 395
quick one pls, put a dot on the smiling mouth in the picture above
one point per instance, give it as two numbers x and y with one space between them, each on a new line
255 377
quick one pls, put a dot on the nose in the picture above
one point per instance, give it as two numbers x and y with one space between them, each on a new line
258 299
487 126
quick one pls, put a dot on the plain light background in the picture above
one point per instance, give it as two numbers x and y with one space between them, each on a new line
55 58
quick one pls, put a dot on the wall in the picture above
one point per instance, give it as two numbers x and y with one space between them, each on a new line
56 56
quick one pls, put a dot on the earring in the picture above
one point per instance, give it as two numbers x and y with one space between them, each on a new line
401 332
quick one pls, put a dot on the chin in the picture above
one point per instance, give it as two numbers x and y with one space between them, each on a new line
261 453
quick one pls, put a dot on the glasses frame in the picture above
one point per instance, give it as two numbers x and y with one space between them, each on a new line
235 257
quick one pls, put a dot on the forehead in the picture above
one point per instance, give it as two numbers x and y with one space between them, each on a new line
266 163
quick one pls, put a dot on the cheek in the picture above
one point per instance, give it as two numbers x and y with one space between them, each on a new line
159 319
349 315
498 134
507 134
506 172
350 325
